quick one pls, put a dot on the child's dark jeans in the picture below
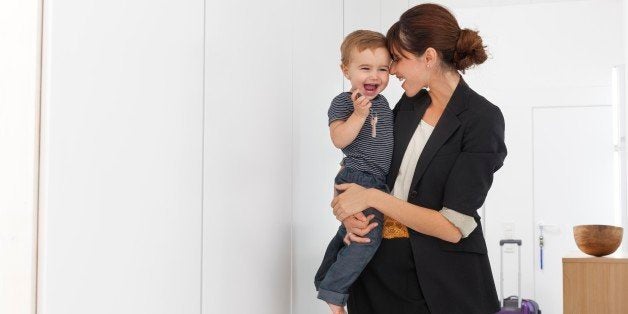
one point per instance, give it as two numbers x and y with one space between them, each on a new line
342 264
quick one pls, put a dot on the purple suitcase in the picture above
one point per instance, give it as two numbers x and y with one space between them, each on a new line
512 304
527 306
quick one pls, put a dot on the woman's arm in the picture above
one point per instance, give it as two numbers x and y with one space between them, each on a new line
356 198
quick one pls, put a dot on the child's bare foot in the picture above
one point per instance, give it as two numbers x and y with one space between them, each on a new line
336 309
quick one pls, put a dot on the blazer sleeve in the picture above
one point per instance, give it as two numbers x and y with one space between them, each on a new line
482 154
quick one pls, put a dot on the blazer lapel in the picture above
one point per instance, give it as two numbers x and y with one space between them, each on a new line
407 119
446 126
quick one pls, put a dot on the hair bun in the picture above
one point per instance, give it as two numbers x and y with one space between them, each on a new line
469 50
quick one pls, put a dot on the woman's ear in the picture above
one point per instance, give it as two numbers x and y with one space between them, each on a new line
430 56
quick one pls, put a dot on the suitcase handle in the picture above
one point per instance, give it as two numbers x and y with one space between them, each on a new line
501 270
509 241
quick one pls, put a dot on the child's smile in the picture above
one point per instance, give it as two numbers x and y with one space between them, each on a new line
371 90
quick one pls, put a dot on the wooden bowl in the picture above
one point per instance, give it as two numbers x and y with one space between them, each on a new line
598 240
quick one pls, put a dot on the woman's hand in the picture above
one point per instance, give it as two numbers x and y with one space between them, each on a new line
357 227
352 199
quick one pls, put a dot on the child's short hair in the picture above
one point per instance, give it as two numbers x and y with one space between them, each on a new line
361 39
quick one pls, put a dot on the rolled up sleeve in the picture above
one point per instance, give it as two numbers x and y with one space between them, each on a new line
466 224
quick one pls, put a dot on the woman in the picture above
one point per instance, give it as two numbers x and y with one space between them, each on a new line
448 143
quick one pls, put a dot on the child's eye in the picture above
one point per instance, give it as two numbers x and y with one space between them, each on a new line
384 69
364 68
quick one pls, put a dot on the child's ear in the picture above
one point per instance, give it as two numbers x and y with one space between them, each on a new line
345 70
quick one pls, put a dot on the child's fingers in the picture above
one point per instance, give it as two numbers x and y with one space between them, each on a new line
342 187
360 216
365 107
355 238
362 102
364 231
346 239
355 94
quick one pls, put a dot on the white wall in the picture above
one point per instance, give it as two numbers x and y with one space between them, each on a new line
120 211
19 113
316 80
248 157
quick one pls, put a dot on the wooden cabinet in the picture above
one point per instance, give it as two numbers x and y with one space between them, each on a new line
593 285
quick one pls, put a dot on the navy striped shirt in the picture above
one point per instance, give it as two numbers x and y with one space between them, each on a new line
367 153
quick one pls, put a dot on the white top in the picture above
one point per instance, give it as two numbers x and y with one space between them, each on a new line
466 224
410 160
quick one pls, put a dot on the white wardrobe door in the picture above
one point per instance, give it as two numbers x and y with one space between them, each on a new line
121 194
248 157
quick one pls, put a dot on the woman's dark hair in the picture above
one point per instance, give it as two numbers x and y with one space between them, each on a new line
431 25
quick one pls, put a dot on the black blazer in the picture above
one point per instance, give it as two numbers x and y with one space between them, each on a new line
455 170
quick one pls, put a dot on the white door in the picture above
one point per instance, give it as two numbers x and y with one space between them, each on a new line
573 184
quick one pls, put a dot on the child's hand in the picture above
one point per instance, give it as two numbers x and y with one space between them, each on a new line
358 226
361 105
